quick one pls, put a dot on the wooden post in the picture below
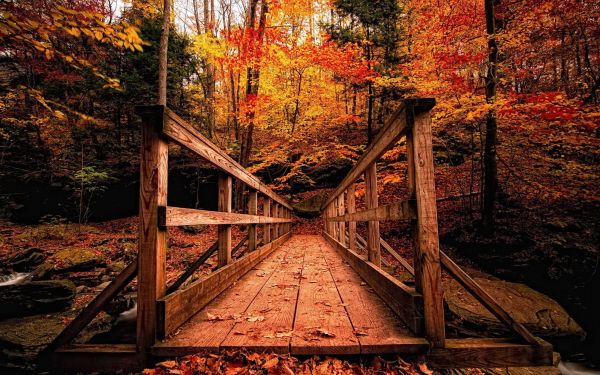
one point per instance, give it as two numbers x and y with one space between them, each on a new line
152 243
428 241
373 243
224 252
342 224
252 210
410 156
267 227
351 204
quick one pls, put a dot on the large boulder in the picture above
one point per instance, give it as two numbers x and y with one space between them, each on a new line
311 207
539 313
36 297
76 260
21 339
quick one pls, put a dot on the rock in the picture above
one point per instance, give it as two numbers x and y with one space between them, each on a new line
36 297
87 278
42 272
542 315
329 172
102 286
101 242
21 339
76 259
194 229
311 207
558 225
116 266
26 260
300 182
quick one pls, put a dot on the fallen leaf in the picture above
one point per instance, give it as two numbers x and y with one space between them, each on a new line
324 333
361 333
271 363
284 334
257 318
423 368
167 364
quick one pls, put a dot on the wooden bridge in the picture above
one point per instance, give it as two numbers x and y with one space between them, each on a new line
298 294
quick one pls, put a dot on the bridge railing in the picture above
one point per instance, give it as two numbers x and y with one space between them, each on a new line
421 307
161 308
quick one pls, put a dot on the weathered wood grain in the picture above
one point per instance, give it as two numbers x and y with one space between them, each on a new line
152 242
403 300
224 231
427 226
394 128
321 325
393 211
177 216
253 211
178 307
185 135
351 204
489 353
372 201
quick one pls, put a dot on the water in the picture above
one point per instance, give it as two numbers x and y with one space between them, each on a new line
13 278
127 315
573 368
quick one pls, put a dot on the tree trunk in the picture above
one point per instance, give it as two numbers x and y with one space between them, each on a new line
162 54
252 82
490 186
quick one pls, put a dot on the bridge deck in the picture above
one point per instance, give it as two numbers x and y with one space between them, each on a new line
303 299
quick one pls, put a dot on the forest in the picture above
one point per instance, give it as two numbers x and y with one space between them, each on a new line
319 154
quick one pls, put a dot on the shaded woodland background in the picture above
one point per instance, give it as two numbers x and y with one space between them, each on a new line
296 94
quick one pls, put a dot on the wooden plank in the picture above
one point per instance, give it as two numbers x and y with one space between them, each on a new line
152 242
489 353
234 250
276 303
224 231
321 325
486 299
342 224
89 312
403 300
414 233
394 128
178 307
185 135
207 329
177 216
90 358
267 214
272 228
193 267
379 329
351 204
427 224
372 201
393 211
253 211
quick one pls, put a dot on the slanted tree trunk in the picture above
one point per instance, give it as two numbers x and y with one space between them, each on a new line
209 20
162 54
490 167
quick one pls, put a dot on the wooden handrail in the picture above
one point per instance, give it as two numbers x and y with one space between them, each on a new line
393 129
176 129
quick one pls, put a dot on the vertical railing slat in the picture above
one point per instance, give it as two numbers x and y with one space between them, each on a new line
224 231
252 210
373 243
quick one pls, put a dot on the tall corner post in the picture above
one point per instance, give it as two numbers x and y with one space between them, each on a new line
152 243
224 231
427 260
